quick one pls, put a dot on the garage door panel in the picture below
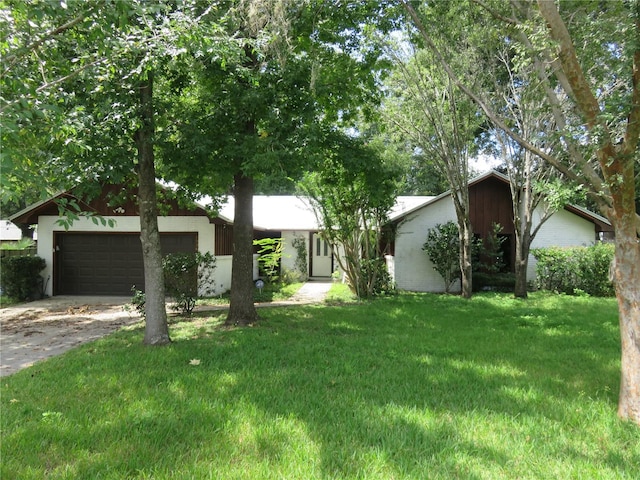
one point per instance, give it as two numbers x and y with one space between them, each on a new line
106 264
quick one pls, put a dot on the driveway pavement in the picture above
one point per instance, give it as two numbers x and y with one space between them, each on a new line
37 330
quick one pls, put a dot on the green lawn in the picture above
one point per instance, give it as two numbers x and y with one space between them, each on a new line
414 386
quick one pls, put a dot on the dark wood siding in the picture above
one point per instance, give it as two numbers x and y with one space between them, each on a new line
106 264
223 239
490 202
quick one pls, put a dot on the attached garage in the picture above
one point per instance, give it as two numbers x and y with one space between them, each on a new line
106 263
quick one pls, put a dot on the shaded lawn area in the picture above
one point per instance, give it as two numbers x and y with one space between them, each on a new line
413 386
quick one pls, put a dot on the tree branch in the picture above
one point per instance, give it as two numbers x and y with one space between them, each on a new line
12 59
479 101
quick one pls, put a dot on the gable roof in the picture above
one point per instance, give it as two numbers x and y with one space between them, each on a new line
291 212
9 231
101 206
277 212
601 222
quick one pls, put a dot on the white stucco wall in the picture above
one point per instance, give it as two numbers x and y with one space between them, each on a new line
413 269
562 229
289 253
47 226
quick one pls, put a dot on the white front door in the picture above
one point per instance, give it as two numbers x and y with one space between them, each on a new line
321 261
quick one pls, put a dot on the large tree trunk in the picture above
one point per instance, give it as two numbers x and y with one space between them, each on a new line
626 276
521 263
156 330
466 279
627 280
523 245
242 311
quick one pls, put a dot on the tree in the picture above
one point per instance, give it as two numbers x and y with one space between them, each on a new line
352 191
156 330
428 110
597 118
255 110
91 92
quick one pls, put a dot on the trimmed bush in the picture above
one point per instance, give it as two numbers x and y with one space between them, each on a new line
575 270
21 278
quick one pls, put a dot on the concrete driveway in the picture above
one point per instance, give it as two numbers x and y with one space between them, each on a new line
37 330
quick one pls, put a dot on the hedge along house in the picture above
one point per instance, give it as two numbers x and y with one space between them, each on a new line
90 258
490 202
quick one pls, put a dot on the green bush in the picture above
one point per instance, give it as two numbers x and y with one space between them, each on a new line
575 270
186 275
20 277
376 269
270 252
443 249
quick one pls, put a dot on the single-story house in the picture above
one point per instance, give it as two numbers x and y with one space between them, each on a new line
490 202
90 258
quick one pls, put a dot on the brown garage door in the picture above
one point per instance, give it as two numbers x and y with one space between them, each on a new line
106 264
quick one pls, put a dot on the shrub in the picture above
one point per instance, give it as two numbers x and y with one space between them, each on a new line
301 263
270 254
575 270
20 276
187 275
443 249
289 276
375 270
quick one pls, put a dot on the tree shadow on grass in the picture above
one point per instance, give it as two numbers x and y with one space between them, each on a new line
392 388
371 373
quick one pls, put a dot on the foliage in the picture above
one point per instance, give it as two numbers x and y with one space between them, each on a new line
398 387
288 276
270 251
20 277
138 301
301 262
575 270
491 254
375 277
443 249
499 282
22 244
187 276
351 191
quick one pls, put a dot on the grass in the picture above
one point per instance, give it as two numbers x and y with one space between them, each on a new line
7 301
272 292
412 386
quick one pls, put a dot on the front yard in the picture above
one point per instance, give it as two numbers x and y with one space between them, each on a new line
413 386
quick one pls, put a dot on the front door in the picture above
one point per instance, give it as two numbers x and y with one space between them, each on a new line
321 261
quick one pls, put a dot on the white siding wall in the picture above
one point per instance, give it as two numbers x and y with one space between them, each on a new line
413 269
562 229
